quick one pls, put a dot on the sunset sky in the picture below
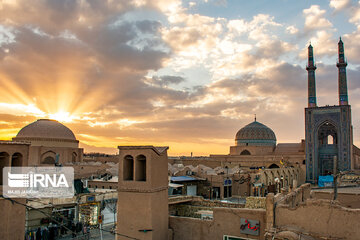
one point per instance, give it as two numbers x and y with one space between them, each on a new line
186 74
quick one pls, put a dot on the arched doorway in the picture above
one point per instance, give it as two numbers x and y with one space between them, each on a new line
16 160
4 162
48 158
328 147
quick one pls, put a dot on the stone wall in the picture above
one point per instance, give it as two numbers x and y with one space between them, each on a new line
211 203
226 221
255 202
184 210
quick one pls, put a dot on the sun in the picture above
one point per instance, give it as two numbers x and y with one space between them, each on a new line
61 116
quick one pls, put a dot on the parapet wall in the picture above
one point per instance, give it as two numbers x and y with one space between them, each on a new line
226 221
349 200
298 215
320 218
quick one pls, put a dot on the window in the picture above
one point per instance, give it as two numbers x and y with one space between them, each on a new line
330 139
140 168
128 168
273 166
245 152
4 161
16 160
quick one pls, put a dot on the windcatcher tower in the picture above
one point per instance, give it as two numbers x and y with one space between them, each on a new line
311 67
328 130
142 210
341 64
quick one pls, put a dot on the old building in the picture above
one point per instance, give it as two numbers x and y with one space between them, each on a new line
142 192
50 142
328 129
44 142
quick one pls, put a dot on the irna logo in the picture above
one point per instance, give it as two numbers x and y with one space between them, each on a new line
37 180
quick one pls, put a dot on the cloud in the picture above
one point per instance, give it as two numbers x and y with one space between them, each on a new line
339 4
155 72
314 18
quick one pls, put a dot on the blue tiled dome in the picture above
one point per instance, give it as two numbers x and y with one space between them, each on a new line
255 134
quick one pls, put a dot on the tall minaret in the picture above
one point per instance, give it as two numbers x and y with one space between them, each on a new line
341 64
311 67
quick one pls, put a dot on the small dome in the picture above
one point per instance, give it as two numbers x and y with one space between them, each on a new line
255 134
45 129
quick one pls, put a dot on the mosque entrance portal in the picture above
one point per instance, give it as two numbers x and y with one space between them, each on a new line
328 148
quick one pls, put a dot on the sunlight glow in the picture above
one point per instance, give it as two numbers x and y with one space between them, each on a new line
61 116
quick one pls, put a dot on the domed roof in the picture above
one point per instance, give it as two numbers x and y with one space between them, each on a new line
255 133
46 129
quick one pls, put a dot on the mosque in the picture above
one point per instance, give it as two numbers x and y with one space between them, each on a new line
328 133
43 142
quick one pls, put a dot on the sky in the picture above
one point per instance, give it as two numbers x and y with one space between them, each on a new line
184 74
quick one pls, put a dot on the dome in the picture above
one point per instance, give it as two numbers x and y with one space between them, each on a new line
46 129
255 134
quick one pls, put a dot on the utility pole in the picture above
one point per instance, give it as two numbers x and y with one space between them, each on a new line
335 177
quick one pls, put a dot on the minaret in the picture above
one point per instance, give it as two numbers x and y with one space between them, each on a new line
341 64
311 67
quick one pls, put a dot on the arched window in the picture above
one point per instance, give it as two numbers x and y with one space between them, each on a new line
16 160
140 168
48 157
330 139
245 152
273 166
128 168
4 162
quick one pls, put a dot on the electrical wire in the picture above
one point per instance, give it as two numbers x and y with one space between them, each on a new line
54 220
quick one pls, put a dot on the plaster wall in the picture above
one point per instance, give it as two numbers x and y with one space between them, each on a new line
320 218
12 221
36 153
226 221
254 150
350 200
147 212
